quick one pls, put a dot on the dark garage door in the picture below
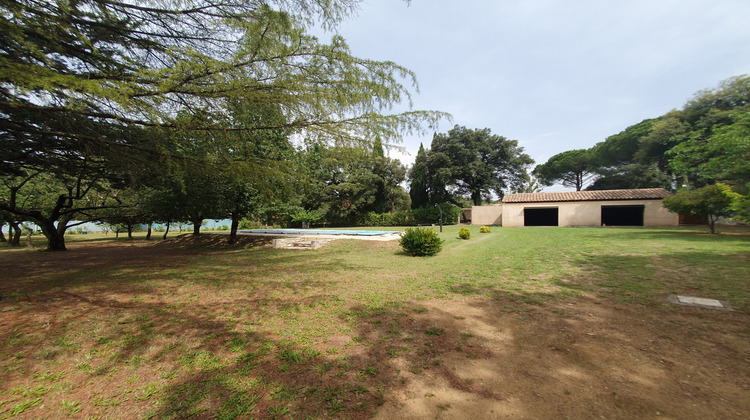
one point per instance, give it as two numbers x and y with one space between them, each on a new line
622 215
540 217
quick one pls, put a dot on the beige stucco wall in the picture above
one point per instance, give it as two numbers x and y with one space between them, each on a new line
588 213
487 215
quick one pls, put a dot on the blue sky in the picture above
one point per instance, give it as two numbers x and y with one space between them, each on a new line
554 75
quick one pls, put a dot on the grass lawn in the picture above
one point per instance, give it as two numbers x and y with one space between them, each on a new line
519 322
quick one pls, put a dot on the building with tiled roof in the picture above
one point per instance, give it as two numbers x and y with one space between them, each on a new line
604 195
635 207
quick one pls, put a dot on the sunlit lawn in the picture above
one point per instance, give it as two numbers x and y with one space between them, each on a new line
123 329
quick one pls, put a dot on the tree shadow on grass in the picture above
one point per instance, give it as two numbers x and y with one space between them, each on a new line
238 357
205 259
475 357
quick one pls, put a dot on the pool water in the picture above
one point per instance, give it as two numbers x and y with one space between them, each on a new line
318 232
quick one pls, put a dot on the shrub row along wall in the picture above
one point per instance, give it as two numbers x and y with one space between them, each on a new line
414 217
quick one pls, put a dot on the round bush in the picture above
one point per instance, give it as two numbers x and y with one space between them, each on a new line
484 229
464 233
421 242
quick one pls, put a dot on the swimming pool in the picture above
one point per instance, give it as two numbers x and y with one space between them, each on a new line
319 232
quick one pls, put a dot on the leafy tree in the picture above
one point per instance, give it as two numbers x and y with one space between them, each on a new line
620 149
127 211
741 207
390 196
346 183
714 201
573 168
702 143
723 156
664 134
53 201
475 164
306 217
108 84
634 175
710 145
439 178
731 94
418 182
142 63
261 163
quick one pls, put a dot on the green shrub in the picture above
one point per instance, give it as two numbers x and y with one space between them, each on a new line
421 241
464 233
431 215
484 229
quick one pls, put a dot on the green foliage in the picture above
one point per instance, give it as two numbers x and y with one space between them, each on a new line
573 168
741 208
401 218
723 156
419 183
464 233
474 164
714 201
619 149
307 216
420 216
431 215
103 91
635 175
484 229
421 242
703 143
347 183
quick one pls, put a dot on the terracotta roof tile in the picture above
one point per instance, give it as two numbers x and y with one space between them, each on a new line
603 195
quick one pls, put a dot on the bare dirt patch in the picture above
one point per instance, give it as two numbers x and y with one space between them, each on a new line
583 358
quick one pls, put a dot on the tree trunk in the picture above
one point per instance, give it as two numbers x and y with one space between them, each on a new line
15 234
130 231
476 198
117 232
233 230
148 232
197 227
166 231
712 222
55 234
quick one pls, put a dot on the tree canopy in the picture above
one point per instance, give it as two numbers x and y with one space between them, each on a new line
95 90
474 164
418 180
572 168
703 143
713 201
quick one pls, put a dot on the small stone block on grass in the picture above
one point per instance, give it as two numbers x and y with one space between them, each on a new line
699 302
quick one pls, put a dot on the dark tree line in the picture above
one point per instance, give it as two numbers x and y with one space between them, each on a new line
467 166
702 144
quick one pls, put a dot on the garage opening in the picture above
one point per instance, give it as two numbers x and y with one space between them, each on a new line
540 217
622 215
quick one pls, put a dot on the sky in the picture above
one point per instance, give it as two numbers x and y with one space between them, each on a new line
554 75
